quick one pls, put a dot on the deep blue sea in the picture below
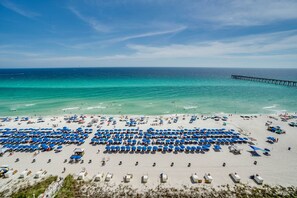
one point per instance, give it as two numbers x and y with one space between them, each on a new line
143 91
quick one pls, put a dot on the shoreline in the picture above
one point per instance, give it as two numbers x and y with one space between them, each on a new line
149 115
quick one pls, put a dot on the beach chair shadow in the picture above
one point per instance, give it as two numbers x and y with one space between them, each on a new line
254 154
269 142
266 153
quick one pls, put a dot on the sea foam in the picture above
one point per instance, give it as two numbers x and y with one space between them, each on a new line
270 107
70 108
96 107
29 105
190 107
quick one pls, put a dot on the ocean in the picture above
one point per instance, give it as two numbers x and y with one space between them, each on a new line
143 91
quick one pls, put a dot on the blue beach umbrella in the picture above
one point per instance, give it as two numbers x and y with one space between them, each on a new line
176 148
107 148
217 147
128 148
198 148
133 148
77 157
113 148
205 148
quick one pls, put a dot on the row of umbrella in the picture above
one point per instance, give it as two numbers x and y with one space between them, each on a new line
44 135
189 130
170 141
66 140
31 147
26 129
158 148
169 134
184 135
65 129
165 130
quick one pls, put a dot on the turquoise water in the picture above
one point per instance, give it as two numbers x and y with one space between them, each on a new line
143 91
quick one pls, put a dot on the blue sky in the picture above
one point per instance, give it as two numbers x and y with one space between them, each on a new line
197 33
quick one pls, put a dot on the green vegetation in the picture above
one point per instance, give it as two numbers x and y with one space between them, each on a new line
36 189
72 188
68 188
237 191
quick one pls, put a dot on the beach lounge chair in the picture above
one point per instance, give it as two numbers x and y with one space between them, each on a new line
128 178
195 178
235 149
235 177
258 179
164 178
24 174
144 179
98 177
81 175
208 178
38 174
8 174
108 177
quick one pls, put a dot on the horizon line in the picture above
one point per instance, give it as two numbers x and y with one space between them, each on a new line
139 67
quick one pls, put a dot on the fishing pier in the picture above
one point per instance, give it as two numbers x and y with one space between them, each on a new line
266 80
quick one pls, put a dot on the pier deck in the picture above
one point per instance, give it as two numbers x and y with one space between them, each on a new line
266 80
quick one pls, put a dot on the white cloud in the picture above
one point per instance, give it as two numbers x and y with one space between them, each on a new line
19 53
256 45
92 22
263 50
221 12
16 8
97 43
243 12
148 34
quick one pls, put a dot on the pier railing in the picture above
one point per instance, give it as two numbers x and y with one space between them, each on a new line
266 80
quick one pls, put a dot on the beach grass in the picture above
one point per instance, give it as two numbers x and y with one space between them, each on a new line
34 190
68 188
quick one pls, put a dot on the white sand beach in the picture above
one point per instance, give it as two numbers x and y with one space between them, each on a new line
276 169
